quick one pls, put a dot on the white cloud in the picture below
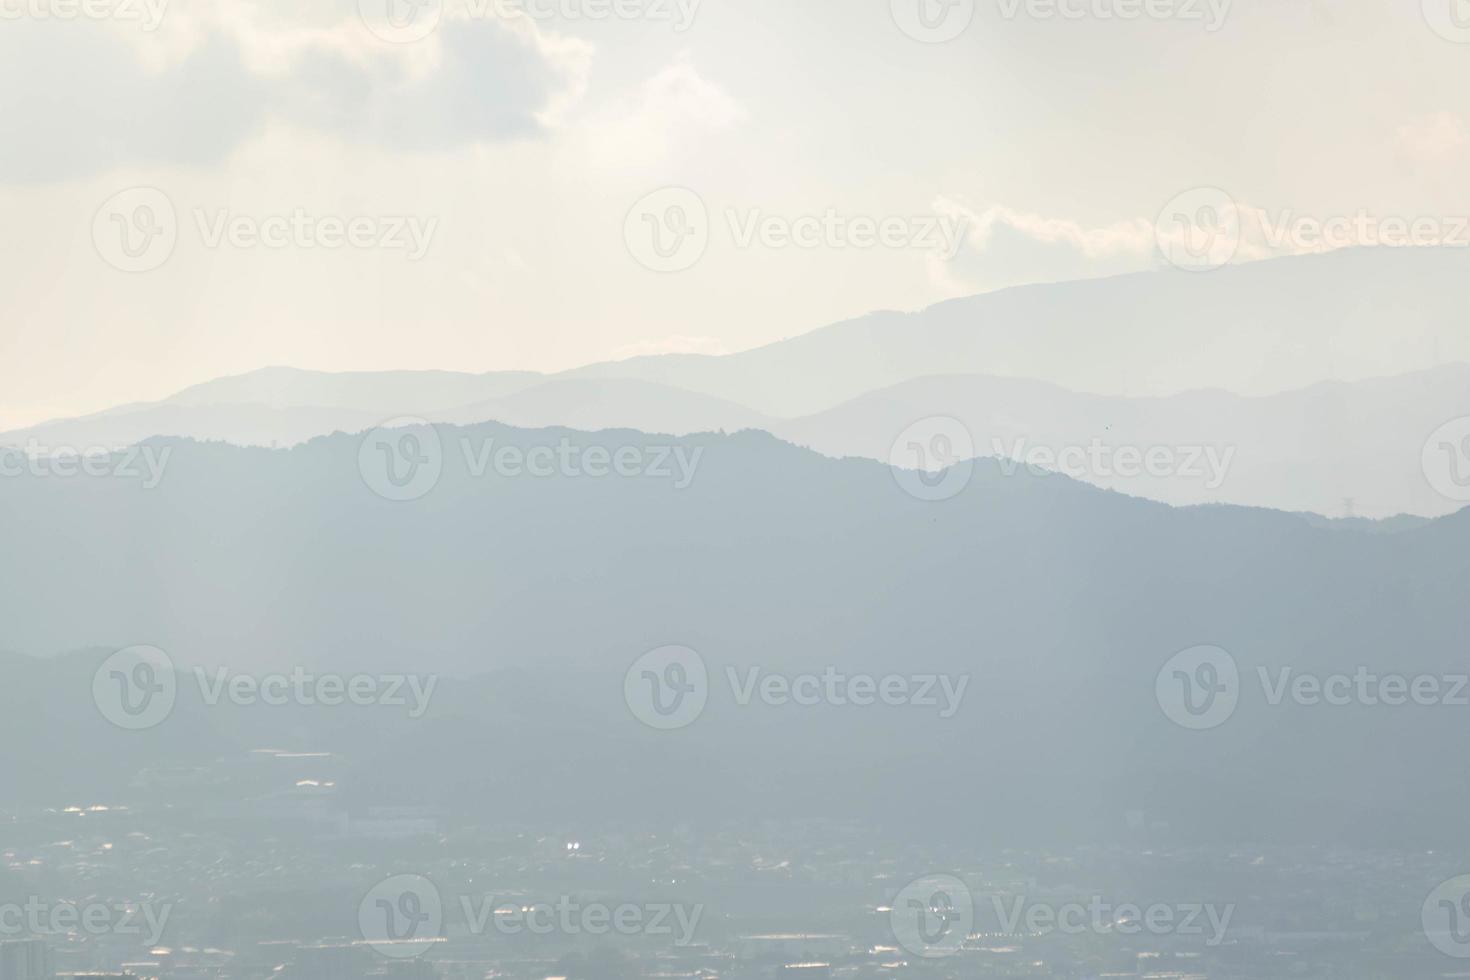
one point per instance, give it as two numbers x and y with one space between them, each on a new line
93 98
1005 247
667 116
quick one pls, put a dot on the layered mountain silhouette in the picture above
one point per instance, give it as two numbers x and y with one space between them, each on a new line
532 596
1335 448
1253 328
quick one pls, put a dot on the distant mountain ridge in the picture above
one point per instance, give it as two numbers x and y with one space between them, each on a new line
1333 448
1255 328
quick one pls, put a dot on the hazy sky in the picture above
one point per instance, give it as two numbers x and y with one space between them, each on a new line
486 171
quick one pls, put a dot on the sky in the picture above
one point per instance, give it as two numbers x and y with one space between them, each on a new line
196 188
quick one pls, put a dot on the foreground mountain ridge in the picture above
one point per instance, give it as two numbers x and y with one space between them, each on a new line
1060 602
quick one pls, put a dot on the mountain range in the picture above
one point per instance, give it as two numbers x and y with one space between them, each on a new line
1341 447
530 597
